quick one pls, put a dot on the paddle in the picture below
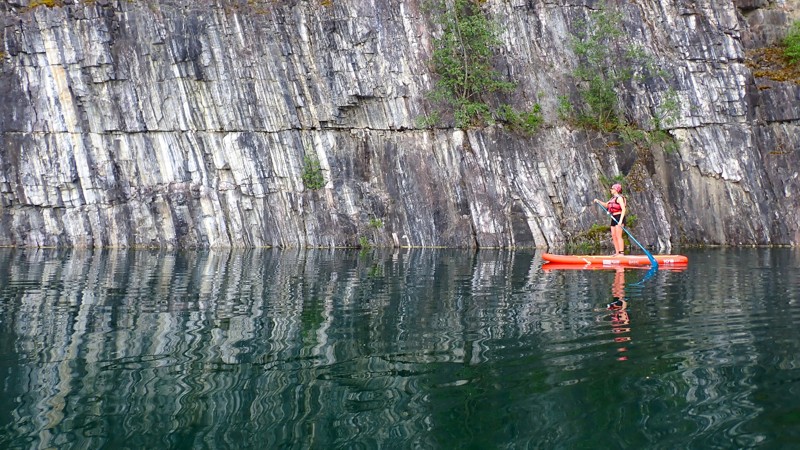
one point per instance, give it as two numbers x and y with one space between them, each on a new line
647 276
649 256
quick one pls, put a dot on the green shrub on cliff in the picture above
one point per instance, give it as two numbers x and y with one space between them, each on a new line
792 43
313 179
599 71
608 66
525 121
462 58
466 78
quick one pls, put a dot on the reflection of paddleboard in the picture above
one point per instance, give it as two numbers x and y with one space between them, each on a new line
616 260
560 266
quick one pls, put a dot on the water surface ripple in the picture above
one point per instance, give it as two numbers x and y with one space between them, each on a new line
396 349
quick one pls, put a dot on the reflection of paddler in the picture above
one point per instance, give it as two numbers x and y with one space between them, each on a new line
618 291
619 318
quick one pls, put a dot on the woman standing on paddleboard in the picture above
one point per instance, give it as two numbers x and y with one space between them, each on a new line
617 207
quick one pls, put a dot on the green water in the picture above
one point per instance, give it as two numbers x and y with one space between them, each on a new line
395 349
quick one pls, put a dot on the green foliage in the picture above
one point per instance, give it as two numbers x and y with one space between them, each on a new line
631 134
792 43
527 122
565 109
600 70
605 66
364 243
463 54
462 60
647 139
664 139
312 174
599 236
429 121
375 223
591 240
630 221
600 104
669 110
667 114
530 121
608 182
469 113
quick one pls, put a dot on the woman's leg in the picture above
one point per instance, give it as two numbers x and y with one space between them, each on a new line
614 239
616 236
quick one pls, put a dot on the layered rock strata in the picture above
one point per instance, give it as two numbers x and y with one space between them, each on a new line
189 124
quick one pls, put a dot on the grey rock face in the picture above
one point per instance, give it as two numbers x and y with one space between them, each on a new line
187 124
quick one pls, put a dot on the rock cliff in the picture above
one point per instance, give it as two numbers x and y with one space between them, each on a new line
189 123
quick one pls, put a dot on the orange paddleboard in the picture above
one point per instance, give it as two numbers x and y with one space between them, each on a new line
616 260
550 266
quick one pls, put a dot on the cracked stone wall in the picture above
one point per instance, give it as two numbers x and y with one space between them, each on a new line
178 123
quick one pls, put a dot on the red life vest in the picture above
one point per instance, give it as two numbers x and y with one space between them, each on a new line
613 205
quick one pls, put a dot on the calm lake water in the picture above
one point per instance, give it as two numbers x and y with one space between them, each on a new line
396 349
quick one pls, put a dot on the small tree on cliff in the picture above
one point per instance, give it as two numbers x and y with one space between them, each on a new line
462 59
601 68
792 43
605 65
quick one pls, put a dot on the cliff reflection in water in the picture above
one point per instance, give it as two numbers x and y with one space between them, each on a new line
118 347
418 348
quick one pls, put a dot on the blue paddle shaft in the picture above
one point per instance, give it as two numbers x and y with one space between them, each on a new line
649 256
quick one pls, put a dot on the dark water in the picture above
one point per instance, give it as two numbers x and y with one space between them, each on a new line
396 349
